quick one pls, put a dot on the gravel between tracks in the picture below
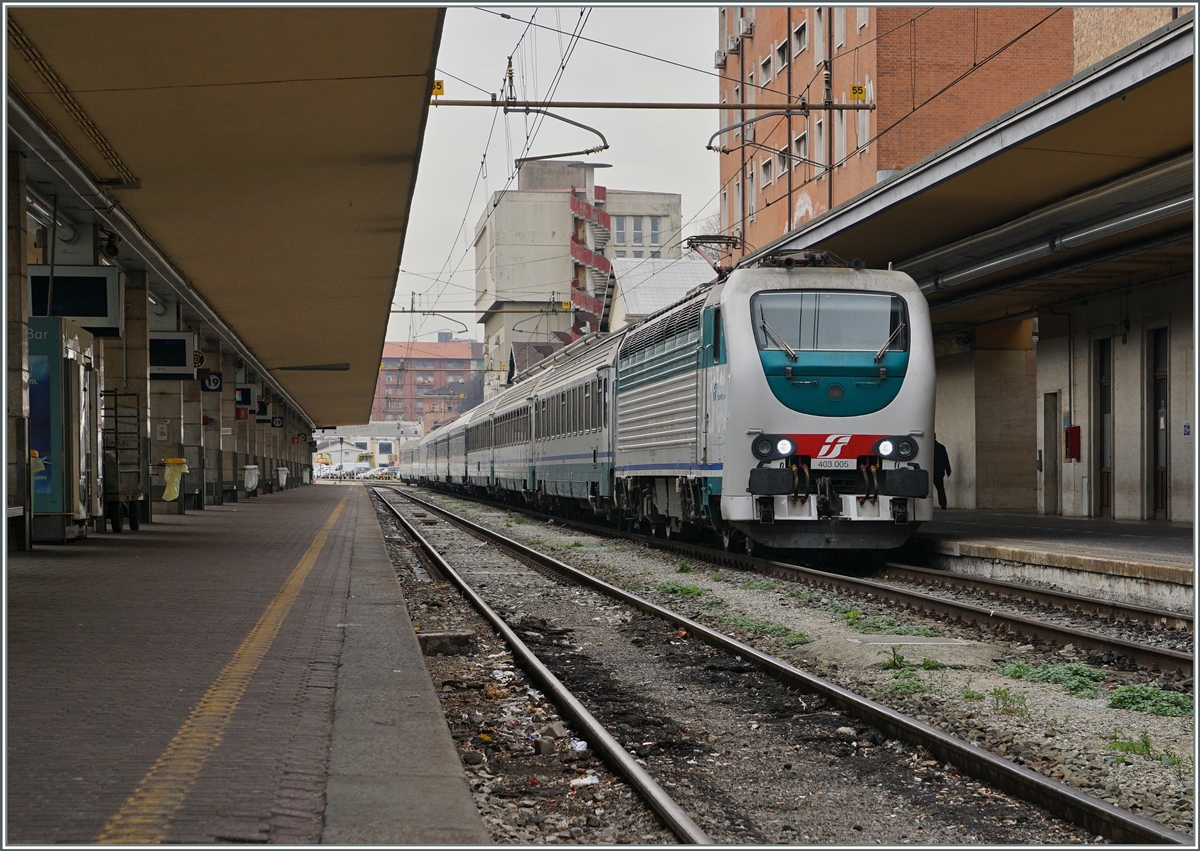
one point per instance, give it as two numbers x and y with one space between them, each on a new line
1170 639
752 761
1036 724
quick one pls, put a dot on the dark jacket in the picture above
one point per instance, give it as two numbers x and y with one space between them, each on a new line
941 461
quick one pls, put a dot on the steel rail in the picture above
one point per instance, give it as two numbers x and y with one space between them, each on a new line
1059 599
1060 799
1016 626
675 817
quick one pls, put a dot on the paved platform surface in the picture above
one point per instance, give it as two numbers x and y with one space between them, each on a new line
247 673
1145 548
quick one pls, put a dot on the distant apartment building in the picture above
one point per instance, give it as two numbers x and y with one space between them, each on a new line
428 383
543 255
932 73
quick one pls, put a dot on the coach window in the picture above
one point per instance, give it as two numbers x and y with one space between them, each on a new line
579 393
587 407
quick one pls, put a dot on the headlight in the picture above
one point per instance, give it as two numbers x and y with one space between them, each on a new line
906 448
885 448
770 447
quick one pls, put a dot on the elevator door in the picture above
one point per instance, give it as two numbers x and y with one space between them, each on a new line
1103 428
1158 420
1051 452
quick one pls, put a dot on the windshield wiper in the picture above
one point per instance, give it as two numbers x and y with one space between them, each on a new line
884 347
791 353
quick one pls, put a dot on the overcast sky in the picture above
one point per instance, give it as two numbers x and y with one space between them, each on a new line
662 151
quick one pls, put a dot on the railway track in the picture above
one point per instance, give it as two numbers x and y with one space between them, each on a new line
1060 799
990 618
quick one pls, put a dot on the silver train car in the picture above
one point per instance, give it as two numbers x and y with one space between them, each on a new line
788 406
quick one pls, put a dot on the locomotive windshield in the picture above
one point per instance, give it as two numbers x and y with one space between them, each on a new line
829 321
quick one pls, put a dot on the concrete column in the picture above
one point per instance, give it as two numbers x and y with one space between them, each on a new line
166 437
987 418
193 445
230 465
19 484
210 409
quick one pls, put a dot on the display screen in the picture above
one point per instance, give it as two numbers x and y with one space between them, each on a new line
243 397
74 295
169 352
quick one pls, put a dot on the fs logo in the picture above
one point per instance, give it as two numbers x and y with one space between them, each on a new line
833 445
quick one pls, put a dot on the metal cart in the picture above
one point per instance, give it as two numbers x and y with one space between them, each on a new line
123 459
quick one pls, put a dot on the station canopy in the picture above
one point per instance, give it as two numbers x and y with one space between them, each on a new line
1086 189
267 155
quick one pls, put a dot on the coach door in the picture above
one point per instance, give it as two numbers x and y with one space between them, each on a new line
1158 430
1102 427
1052 452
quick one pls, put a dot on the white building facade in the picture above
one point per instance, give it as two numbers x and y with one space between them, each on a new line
543 255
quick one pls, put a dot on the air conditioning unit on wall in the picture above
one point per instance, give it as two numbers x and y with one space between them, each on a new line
745 27
719 59
732 44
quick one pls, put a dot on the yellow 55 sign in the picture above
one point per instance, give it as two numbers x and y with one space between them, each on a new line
858 92
439 88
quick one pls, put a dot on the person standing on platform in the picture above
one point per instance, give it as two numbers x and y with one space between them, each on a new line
941 468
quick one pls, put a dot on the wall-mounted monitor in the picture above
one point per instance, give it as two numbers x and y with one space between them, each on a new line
172 354
89 296
245 396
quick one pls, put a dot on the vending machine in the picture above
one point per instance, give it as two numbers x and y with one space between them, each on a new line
64 429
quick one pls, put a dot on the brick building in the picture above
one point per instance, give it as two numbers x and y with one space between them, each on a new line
934 74
429 383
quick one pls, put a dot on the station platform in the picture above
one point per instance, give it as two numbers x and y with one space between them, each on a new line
1147 562
247 673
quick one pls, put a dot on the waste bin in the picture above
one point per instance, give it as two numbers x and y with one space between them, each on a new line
251 479
173 470
282 473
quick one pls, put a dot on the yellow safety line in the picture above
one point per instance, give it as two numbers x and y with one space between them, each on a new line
147 814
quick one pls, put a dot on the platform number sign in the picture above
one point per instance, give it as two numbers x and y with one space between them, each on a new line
212 383
439 88
276 422
858 92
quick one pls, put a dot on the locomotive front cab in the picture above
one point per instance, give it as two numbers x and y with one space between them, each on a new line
841 429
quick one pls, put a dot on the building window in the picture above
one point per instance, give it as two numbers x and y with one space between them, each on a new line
818 154
864 16
839 26
750 197
737 202
800 38
801 146
724 210
750 88
620 253
864 119
619 227
637 255
839 136
818 37
765 68
765 167
781 56
656 254
782 160
637 230
655 230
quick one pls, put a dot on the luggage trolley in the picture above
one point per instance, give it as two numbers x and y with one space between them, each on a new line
123 459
